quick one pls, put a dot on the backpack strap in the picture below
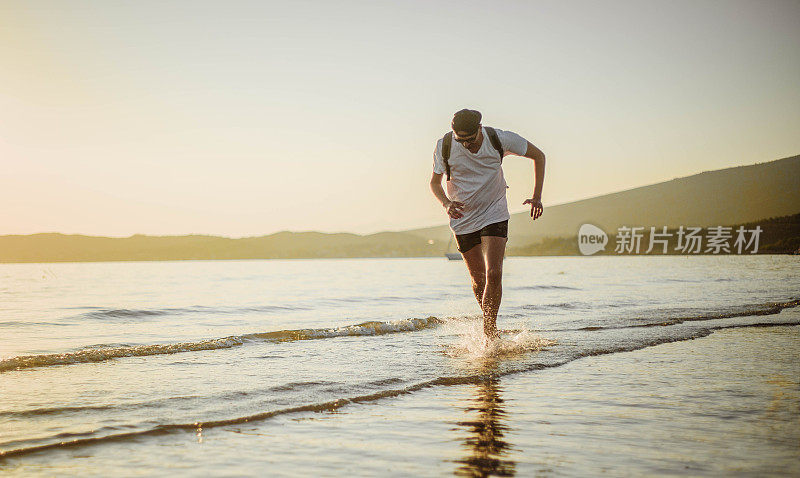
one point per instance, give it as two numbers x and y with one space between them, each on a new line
492 134
446 142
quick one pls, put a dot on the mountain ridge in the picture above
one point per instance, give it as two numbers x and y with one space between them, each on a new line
770 190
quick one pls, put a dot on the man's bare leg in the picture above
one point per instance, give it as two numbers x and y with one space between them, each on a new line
477 271
493 249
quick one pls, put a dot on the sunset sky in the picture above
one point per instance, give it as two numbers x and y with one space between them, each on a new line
247 118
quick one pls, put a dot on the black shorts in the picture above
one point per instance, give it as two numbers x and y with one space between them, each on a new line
468 241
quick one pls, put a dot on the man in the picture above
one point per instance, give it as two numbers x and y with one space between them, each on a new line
476 201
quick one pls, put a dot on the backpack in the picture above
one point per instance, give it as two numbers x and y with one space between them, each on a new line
447 141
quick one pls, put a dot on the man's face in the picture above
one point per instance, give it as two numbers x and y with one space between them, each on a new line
467 139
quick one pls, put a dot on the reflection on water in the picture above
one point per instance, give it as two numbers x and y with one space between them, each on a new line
486 450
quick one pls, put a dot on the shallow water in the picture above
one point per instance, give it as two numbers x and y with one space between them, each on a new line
143 356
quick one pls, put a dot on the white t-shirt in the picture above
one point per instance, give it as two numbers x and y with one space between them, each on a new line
477 181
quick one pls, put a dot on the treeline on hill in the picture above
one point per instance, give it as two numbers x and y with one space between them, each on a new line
54 247
779 235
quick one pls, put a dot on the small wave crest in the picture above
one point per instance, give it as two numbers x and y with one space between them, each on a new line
543 287
124 313
104 313
666 317
558 305
365 328
103 353
100 354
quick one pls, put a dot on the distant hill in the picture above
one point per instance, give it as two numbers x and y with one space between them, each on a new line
713 198
54 247
745 194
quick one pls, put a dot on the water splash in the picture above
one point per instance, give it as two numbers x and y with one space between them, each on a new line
473 344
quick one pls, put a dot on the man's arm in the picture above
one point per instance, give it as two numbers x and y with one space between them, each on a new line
537 156
452 207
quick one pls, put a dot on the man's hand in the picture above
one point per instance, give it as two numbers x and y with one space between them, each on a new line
453 209
536 207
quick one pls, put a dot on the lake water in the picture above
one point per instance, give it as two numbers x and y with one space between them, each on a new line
643 364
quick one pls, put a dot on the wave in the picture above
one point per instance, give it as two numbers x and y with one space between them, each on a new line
100 354
171 401
103 353
37 412
91 355
104 313
91 438
559 305
695 281
543 287
19 323
768 308
124 313
664 317
365 328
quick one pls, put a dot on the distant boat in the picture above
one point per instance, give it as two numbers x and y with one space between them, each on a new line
452 256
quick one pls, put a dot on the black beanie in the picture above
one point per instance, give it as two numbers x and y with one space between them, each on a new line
466 121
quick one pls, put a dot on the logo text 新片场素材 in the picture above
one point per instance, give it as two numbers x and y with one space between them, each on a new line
683 240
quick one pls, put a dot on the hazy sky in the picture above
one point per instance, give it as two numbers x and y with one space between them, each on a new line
246 118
